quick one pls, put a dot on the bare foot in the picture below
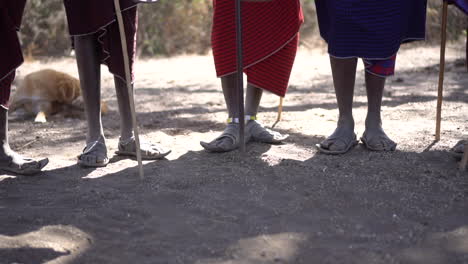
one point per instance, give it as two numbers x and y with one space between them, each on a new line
149 151
227 141
342 139
94 154
459 148
11 161
374 137
264 135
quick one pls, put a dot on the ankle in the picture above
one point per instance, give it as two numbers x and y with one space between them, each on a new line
126 135
98 137
126 140
373 120
236 120
346 121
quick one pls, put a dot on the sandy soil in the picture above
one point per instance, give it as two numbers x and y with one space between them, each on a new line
278 204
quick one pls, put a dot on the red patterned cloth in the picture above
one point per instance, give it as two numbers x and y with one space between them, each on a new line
11 57
270 38
383 68
97 17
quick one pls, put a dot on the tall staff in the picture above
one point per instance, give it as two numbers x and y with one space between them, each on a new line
128 80
441 70
240 76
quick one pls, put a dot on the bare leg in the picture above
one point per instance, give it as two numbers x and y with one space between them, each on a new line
374 135
344 77
11 161
127 141
90 79
228 140
89 70
252 100
123 100
228 83
255 129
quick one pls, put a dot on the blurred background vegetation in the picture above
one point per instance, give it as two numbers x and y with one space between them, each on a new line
172 27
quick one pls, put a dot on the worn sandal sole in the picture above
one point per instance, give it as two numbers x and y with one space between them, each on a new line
89 150
255 126
229 132
27 172
333 152
271 142
364 142
208 148
93 165
143 156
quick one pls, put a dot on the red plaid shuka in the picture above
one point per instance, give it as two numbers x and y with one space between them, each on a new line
270 35
383 68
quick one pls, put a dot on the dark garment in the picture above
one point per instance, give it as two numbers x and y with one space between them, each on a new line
144 1
11 57
11 13
462 4
372 29
5 89
97 17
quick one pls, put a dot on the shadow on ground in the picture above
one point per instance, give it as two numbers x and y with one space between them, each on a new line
276 204
401 207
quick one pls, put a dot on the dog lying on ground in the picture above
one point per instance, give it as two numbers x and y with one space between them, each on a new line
47 92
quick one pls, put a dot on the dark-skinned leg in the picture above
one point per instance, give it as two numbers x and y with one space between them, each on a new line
11 161
255 129
374 135
127 145
344 77
89 70
228 83
123 100
227 141
252 100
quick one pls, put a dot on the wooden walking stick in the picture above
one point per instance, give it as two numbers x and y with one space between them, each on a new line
240 76
128 80
441 70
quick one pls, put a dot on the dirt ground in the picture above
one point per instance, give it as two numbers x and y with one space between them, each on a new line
277 204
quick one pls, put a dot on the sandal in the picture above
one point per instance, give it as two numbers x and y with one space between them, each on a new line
231 132
324 146
28 168
366 141
94 155
149 151
459 148
264 135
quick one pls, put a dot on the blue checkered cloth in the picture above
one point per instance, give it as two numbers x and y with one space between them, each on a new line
371 29
462 4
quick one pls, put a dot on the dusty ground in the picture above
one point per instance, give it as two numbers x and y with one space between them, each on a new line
278 204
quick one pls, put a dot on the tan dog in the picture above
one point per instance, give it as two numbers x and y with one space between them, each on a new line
48 92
